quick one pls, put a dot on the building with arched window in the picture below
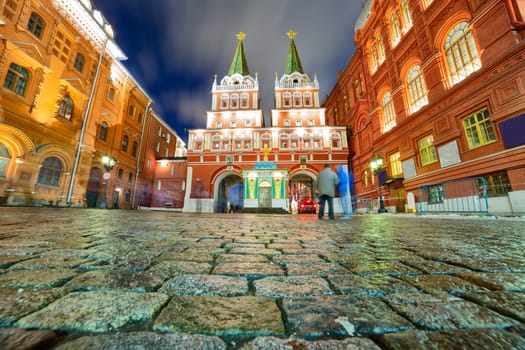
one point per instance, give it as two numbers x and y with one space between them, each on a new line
446 105
239 162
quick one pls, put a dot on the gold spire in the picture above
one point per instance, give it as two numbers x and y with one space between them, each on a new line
291 34
241 36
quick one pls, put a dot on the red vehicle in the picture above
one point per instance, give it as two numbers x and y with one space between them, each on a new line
307 205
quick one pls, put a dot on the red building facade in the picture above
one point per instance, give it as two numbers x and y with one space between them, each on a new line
436 89
238 160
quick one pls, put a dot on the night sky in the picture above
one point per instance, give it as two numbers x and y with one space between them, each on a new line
175 47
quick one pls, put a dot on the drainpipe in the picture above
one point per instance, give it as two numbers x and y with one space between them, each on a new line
516 23
137 167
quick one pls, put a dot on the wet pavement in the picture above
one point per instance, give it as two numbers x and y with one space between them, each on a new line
112 279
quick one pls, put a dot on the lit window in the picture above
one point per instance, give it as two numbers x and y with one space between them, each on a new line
380 49
16 79
395 164
297 99
495 185
79 62
407 16
5 158
66 108
427 151
50 172
287 99
224 101
36 25
395 30
308 99
124 144
244 100
103 131
461 52
234 102
478 129
389 114
416 89
373 57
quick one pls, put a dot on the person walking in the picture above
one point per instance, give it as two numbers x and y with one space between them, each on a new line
344 190
326 182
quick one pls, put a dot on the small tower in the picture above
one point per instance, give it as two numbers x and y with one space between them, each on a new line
235 100
295 92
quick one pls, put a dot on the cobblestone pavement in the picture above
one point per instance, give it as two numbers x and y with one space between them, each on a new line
111 279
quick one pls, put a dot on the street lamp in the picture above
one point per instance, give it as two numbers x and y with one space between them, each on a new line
375 165
109 163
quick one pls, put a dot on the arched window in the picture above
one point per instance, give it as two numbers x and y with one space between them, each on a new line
134 148
234 101
373 57
407 16
416 89
395 30
380 49
266 141
287 99
461 52
50 172
284 141
426 3
66 107
79 62
5 158
335 140
36 25
103 131
294 141
16 79
124 144
245 98
389 115
297 99
224 101
308 99
111 94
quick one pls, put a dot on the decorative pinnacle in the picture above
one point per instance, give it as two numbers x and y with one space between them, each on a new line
291 34
241 36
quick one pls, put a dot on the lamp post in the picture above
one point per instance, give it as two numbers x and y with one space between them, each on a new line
375 165
109 163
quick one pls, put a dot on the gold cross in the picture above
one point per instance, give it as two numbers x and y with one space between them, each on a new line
291 34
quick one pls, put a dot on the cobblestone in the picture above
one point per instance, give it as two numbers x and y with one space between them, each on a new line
111 279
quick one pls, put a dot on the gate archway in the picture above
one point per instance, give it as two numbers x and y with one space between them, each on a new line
230 190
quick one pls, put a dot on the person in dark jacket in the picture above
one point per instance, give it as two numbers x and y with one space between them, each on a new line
326 182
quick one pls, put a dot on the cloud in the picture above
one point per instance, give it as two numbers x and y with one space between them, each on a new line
178 46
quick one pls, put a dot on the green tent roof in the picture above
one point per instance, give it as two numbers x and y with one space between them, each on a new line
239 64
293 63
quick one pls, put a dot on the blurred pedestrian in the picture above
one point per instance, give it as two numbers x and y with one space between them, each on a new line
343 187
326 182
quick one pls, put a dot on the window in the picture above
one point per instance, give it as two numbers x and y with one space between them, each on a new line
310 122
407 16
287 99
233 124
16 79
461 52
111 94
159 131
426 3
66 107
380 49
103 131
234 101
120 174
496 185
287 122
219 125
335 140
478 129
130 178
298 122
157 147
134 148
36 25
61 47
395 30
131 111
435 194
308 99
224 101
50 172
297 99
5 158
416 89
124 144
373 57
168 137
285 141
244 100
248 123
427 151
10 9
139 118
389 115
79 62
395 164
127 195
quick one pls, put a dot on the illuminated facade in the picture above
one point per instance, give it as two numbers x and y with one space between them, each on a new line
67 103
436 89
239 161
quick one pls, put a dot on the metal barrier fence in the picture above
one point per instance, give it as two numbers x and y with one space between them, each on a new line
457 196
